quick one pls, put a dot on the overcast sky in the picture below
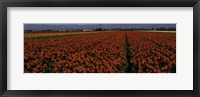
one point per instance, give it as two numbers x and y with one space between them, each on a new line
92 26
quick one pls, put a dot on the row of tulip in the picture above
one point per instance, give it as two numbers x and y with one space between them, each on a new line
110 52
103 52
150 57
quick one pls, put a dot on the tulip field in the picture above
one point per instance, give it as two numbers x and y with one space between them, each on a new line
106 52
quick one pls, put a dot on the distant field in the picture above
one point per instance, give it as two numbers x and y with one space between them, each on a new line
162 31
44 35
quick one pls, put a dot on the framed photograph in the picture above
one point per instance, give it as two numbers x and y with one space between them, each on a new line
129 48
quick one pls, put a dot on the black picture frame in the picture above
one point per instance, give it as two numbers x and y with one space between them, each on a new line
99 3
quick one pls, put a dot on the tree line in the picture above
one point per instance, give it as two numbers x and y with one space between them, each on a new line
103 29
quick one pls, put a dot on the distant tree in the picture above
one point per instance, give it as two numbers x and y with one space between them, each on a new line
28 30
98 29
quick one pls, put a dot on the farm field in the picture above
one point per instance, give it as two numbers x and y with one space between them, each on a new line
43 35
97 52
